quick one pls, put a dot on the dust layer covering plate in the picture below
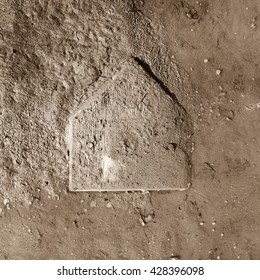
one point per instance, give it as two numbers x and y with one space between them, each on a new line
128 138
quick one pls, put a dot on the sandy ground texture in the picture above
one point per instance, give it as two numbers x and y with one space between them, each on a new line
160 96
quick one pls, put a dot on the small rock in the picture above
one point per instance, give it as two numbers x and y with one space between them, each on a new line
174 258
93 203
148 218
172 147
142 222
90 145
109 205
206 60
218 72
6 201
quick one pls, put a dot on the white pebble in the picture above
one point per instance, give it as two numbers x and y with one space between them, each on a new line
90 145
109 205
6 201
218 72
174 258
206 60
93 203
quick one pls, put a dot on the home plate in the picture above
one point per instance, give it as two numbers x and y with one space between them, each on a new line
131 136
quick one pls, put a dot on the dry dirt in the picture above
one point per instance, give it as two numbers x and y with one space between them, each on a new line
160 96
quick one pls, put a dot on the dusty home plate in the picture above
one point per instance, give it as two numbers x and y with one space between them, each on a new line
128 137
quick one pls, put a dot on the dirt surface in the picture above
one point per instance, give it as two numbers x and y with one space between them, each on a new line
184 75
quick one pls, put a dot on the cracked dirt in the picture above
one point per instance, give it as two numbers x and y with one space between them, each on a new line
159 96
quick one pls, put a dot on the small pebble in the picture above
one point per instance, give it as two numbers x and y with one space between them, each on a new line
218 72
174 258
90 145
142 222
206 60
93 203
148 218
109 205
6 201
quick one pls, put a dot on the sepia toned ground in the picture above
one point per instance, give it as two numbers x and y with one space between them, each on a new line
175 86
